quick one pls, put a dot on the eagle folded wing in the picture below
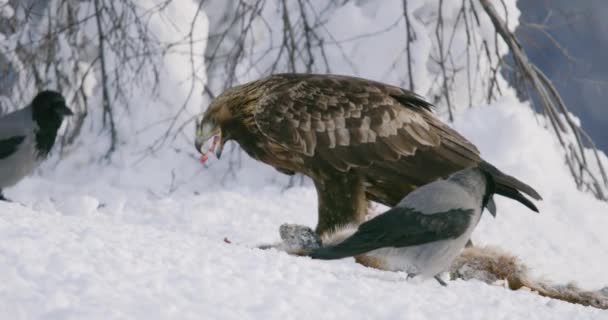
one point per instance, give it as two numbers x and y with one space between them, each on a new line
351 122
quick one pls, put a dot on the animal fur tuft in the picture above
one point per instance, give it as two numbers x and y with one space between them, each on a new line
338 234
491 264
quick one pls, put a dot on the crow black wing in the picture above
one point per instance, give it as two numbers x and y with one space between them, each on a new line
10 145
399 227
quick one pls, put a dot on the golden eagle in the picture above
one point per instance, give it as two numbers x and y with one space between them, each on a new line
357 139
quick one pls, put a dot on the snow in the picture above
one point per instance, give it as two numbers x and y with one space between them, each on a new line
6 11
144 236
109 250
71 252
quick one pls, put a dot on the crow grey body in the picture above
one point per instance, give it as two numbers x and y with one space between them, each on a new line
425 231
26 136
23 160
427 259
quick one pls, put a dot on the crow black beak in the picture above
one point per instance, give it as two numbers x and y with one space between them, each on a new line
64 111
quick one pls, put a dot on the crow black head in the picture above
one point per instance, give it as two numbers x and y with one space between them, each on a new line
508 186
48 104
48 110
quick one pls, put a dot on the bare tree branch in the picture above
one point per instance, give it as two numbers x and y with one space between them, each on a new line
552 102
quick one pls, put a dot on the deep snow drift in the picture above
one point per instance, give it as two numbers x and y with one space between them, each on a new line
144 236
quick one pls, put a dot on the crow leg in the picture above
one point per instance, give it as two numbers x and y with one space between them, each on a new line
2 197
441 282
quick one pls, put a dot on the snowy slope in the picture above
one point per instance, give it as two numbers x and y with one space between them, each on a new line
143 236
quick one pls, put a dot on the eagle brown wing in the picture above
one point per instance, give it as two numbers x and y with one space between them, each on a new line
349 122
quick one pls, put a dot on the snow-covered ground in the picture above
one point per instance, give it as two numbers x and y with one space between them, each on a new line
143 237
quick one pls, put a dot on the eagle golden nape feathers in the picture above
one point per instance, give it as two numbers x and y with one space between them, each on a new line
357 139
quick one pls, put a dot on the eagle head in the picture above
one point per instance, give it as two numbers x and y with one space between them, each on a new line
209 130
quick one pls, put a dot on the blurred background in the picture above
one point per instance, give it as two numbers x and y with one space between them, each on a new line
117 60
567 40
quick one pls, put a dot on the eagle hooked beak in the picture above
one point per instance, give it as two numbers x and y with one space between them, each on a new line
208 139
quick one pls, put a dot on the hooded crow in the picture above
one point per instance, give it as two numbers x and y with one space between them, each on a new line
427 230
27 136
